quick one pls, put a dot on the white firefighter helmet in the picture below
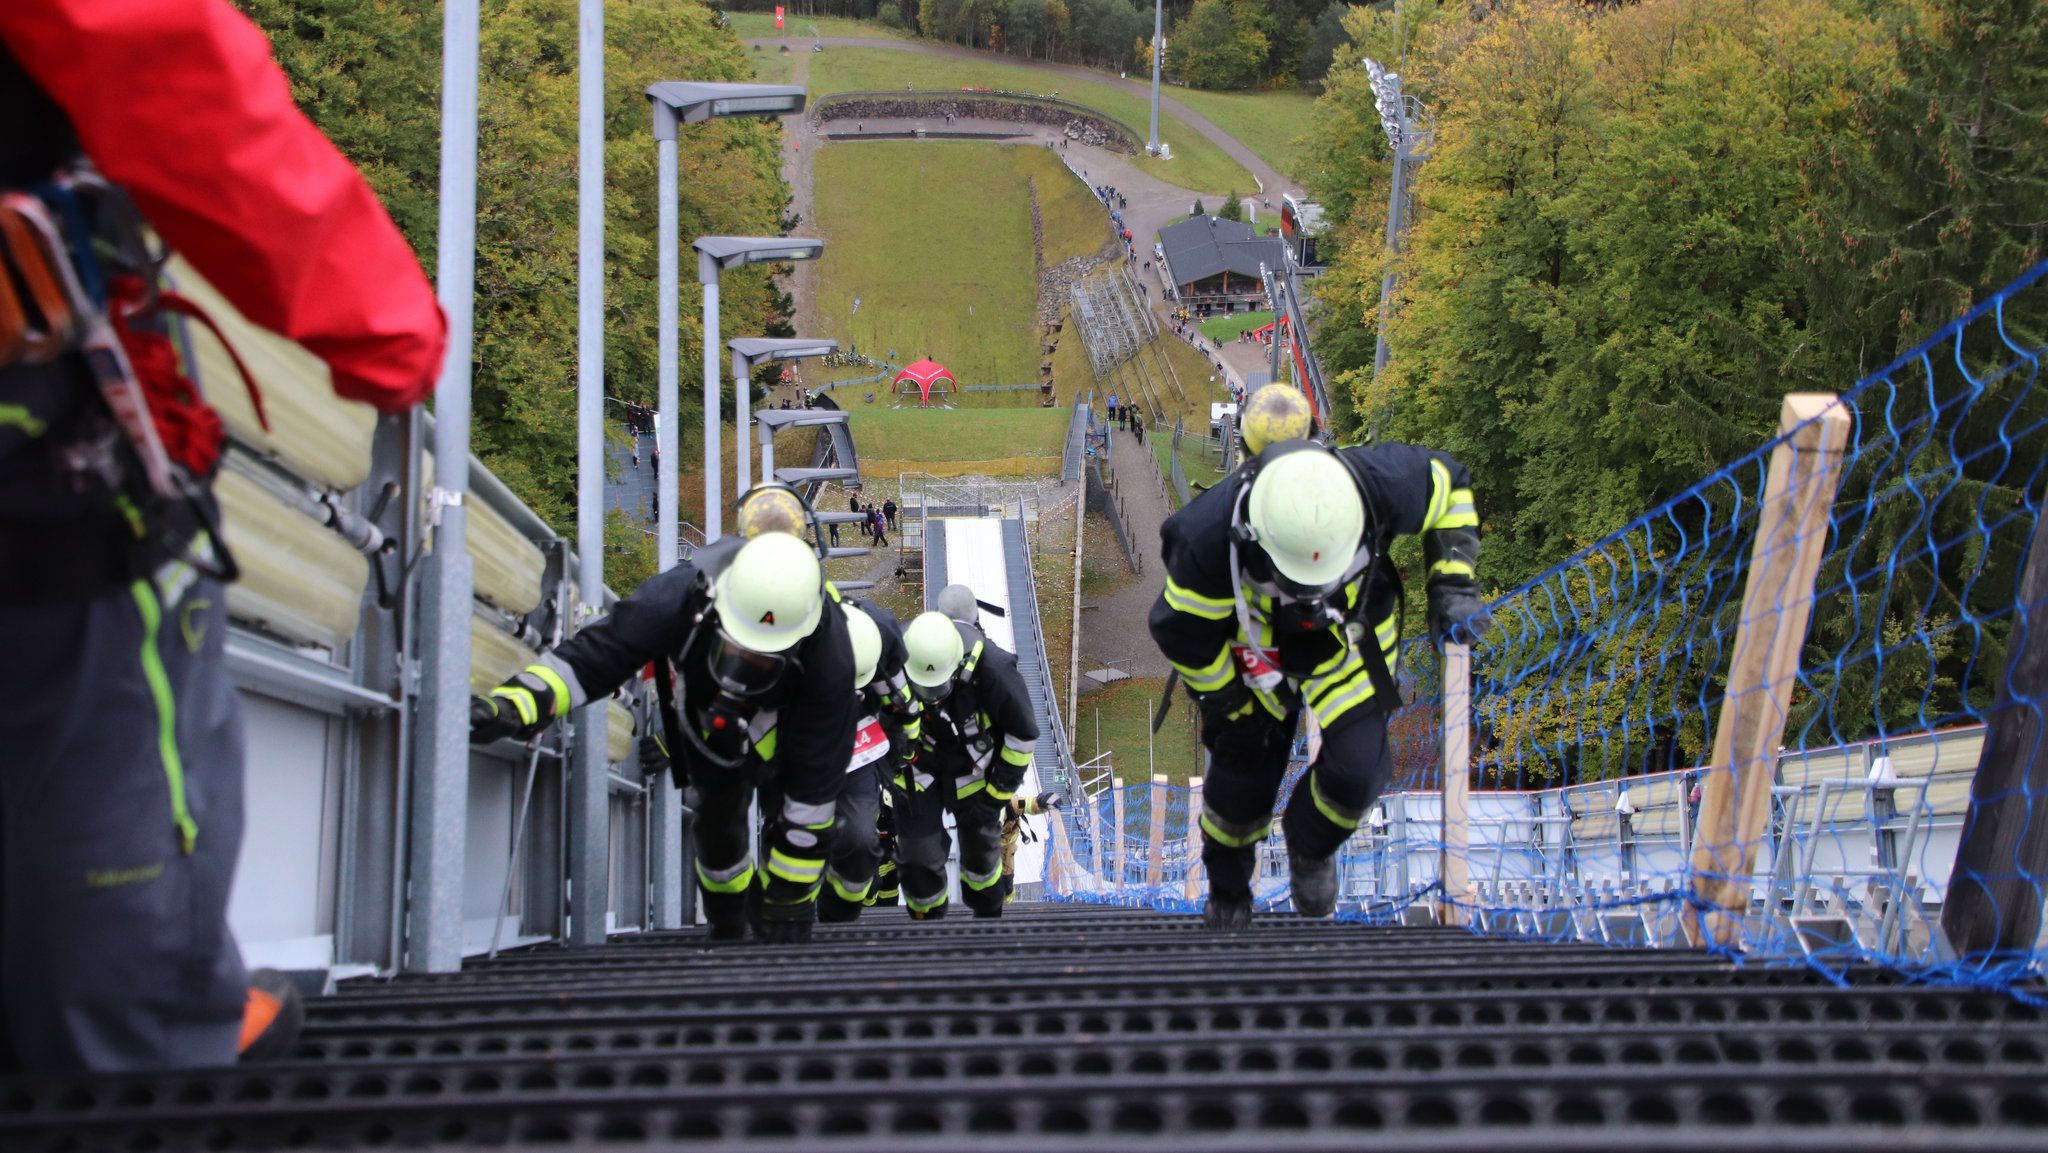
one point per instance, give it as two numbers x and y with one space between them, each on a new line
935 648
867 643
772 593
1275 412
1307 516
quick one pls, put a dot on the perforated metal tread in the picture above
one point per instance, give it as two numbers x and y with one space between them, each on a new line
1070 1029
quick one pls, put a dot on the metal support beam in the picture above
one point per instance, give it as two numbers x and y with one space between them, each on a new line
1158 51
589 796
439 818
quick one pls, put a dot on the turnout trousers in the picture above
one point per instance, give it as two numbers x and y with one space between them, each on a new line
856 847
922 844
725 851
120 822
1247 762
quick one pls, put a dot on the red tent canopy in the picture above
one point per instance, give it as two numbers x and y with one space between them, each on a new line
925 374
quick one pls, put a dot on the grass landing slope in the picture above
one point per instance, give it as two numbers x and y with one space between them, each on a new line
934 240
959 442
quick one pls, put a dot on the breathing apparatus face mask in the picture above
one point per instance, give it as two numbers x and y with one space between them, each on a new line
933 694
741 672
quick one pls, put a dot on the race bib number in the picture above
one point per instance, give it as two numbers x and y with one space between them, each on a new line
870 744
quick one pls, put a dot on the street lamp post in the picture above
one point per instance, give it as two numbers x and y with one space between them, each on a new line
748 351
687 102
1408 131
714 255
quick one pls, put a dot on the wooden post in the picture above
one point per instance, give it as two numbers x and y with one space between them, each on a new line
1995 890
1155 862
1455 867
1116 832
1095 840
1191 887
1791 534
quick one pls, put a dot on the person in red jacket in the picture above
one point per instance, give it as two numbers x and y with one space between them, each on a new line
121 786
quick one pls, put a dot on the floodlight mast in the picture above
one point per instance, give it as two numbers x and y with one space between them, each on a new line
1406 123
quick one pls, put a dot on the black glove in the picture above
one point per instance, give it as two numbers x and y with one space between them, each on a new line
490 719
1455 613
1231 704
1455 610
1048 801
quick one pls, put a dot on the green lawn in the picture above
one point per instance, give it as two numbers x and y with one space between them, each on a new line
1271 124
1197 164
771 66
754 25
997 441
1222 328
1122 716
934 240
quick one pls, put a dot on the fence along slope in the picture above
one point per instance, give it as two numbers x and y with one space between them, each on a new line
1595 699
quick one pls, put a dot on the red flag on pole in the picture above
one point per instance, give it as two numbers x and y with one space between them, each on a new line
778 15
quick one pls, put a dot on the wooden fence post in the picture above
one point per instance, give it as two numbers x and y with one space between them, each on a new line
1994 892
1116 801
1191 886
1455 866
1095 839
1791 534
1155 863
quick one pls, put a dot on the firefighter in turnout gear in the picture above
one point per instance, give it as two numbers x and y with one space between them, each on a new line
130 130
1280 609
885 740
888 889
761 659
1016 830
978 738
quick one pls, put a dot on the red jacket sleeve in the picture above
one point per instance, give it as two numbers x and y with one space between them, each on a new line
180 102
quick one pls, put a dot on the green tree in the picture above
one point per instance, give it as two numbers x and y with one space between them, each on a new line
1233 207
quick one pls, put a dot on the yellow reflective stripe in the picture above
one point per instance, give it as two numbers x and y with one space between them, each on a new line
1331 667
848 893
737 883
832 590
765 747
924 906
999 794
1452 568
1439 493
1210 677
796 869
1016 756
982 882
1328 808
1462 513
1354 693
1388 631
973 658
166 704
913 728
555 682
1216 833
521 700
971 789
1181 598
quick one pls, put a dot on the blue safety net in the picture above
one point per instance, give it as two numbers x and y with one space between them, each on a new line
1619 791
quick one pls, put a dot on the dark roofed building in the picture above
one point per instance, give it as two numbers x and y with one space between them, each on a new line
1214 263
